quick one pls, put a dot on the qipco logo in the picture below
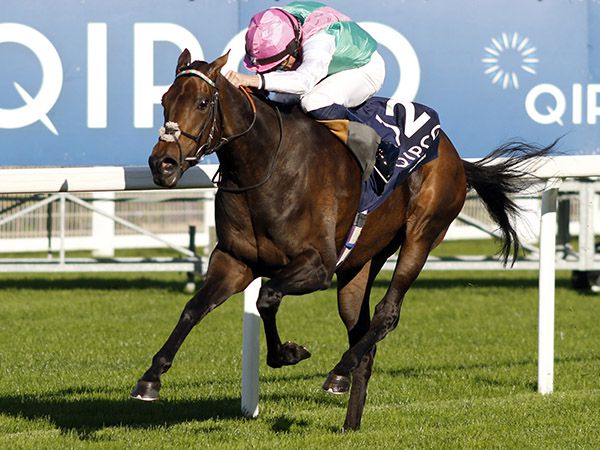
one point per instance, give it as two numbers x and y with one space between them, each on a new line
35 108
548 104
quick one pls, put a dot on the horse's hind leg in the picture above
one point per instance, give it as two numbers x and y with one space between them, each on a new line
353 305
387 312
225 277
439 202
306 273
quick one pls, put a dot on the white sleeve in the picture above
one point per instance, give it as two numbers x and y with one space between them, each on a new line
317 53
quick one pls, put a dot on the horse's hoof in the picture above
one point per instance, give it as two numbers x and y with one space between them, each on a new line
147 391
288 355
336 384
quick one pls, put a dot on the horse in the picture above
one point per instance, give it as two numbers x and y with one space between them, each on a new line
287 196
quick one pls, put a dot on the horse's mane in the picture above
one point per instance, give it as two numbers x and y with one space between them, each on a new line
285 108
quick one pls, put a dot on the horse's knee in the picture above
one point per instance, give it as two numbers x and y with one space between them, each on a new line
268 299
194 310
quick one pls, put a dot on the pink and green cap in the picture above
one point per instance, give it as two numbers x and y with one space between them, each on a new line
272 35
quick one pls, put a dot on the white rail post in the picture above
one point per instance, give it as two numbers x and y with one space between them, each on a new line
250 352
547 288
209 221
63 219
103 227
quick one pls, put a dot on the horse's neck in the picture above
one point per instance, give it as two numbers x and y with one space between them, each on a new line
245 159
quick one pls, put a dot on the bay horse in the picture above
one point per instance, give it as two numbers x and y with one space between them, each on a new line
288 195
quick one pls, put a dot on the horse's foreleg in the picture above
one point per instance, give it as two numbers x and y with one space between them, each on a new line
225 277
305 273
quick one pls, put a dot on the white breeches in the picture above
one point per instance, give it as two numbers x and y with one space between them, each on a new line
347 88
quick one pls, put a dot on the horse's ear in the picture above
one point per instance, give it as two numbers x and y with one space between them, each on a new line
184 60
217 65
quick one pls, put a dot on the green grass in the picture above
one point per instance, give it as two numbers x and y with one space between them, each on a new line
458 372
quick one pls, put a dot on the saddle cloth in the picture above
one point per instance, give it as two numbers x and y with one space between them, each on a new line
409 138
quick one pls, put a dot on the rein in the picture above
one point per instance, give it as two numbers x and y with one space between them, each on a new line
171 132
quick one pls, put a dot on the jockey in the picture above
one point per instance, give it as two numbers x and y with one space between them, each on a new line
312 53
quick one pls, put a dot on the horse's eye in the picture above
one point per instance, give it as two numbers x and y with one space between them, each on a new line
203 103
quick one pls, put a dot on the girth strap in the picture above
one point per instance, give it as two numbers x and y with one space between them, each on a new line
353 234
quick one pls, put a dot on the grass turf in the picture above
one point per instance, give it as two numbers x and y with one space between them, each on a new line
459 371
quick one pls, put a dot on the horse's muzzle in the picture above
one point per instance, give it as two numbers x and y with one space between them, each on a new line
166 171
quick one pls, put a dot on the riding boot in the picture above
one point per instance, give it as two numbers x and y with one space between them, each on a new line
385 161
363 140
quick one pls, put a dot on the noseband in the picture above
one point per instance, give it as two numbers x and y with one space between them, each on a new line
171 132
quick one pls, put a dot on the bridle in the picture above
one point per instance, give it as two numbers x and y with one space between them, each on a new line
171 132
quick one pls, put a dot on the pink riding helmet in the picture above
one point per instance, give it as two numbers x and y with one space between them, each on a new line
272 35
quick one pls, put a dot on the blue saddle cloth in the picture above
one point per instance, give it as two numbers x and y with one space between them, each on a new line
410 136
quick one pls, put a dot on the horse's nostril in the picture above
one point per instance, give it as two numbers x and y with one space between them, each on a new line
168 165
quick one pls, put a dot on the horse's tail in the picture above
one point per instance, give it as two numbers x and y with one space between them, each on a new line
494 180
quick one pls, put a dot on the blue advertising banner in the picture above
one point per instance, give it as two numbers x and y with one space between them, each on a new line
81 80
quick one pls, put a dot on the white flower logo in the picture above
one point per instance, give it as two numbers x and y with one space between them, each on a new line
507 58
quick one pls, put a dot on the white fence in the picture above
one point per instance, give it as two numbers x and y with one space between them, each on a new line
166 214
104 183
58 187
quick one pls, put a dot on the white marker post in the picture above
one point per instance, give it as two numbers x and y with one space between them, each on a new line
250 352
103 227
546 289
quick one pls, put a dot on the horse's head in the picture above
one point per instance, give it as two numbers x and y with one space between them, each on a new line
192 124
